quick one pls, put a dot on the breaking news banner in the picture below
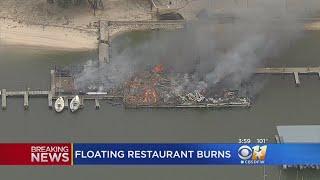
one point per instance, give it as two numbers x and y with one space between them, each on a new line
197 154
36 154
68 154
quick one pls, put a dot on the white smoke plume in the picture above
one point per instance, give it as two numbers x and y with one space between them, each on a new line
218 53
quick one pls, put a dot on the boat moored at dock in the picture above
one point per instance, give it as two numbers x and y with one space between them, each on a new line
75 104
59 104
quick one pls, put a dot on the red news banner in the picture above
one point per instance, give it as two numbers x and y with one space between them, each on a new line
36 154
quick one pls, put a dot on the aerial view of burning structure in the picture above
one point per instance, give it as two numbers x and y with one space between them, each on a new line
159 87
205 65
162 87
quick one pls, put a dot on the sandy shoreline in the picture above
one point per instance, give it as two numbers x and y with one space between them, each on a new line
59 38
54 37
79 35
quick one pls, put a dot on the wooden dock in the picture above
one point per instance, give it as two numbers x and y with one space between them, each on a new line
28 93
288 70
104 46
107 32
25 94
53 81
295 71
50 100
97 103
66 102
52 95
3 99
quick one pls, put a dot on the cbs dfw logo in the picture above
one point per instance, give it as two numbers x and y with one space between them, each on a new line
252 155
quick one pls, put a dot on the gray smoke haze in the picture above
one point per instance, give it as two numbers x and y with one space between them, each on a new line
216 52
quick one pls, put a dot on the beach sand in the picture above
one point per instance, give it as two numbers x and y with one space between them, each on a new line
14 33
68 29
71 29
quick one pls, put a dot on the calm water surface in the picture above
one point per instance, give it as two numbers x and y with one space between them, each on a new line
278 103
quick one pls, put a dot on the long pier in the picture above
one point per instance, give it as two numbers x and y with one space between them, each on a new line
295 71
25 94
52 94
104 45
108 29
51 97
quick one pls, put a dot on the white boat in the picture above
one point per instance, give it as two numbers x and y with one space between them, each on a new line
59 105
75 104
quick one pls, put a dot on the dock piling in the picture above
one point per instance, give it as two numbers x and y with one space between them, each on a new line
81 102
26 100
296 78
290 70
4 98
50 99
53 85
50 94
66 102
97 103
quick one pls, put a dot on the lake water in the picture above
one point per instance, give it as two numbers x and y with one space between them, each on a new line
278 103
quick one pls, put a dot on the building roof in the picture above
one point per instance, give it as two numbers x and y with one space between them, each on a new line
299 134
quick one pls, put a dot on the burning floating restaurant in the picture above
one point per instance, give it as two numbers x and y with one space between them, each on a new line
161 88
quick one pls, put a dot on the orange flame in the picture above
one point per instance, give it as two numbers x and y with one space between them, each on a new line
158 68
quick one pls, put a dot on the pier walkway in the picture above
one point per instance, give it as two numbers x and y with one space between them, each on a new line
25 94
52 95
104 44
108 29
28 93
290 70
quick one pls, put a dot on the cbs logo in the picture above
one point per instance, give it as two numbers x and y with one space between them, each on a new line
253 153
